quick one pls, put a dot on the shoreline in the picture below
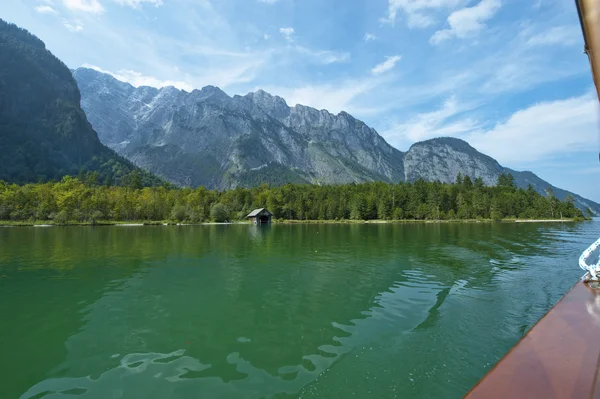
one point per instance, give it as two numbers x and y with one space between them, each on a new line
46 223
543 220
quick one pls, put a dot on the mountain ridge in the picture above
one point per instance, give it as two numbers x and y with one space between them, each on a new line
240 131
45 133
477 160
206 137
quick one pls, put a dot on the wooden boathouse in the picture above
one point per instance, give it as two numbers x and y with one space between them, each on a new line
260 216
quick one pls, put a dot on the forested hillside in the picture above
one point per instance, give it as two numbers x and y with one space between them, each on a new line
207 138
86 201
44 134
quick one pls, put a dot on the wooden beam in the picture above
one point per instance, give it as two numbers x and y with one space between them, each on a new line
589 16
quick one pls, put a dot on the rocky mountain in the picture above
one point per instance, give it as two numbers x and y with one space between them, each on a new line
44 134
208 138
443 158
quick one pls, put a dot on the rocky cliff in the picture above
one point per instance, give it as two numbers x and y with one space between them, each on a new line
44 134
443 158
208 138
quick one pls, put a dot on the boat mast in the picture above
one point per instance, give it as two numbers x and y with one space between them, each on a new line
589 17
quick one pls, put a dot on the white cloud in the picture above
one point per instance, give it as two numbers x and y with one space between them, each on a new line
137 79
268 1
46 10
516 60
266 37
287 33
542 131
227 75
332 97
369 37
418 12
73 26
138 3
207 49
558 35
386 65
467 21
211 51
323 56
427 125
241 71
539 132
91 6
521 71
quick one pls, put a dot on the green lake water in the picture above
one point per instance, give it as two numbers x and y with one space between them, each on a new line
282 311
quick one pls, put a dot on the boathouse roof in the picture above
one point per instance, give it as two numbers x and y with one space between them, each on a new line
258 211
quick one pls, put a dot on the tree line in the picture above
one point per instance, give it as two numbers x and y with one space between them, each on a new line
83 199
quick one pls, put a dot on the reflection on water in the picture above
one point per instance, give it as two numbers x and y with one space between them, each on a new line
283 311
176 375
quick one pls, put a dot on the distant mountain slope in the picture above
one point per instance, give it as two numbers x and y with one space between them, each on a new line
208 138
443 158
523 179
44 134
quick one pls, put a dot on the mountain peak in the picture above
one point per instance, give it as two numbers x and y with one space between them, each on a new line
93 75
210 92
271 104
443 158
262 93
166 89
213 90
263 96
91 71
450 141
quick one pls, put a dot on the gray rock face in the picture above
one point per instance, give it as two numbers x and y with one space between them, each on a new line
208 138
444 158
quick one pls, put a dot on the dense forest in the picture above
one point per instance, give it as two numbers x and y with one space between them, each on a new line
44 133
85 199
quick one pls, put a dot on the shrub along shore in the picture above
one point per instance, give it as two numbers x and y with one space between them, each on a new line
81 201
138 223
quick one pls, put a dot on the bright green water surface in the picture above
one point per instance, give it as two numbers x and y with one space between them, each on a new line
311 311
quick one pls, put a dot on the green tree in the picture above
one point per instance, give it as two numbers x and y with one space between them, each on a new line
61 217
219 213
552 201
135 180
179 213
506 181
467 183
72 199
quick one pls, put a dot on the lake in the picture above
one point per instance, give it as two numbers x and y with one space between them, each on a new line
282 311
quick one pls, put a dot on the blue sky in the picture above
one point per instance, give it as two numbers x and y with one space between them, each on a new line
509 76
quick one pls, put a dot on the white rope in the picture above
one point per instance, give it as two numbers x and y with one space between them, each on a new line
592 270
